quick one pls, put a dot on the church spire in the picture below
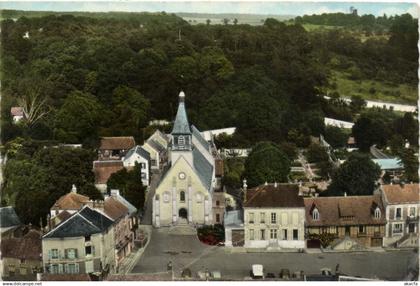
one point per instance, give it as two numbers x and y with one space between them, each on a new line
181 125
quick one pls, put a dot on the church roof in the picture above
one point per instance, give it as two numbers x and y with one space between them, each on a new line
197 134
8 217
181 125
203 168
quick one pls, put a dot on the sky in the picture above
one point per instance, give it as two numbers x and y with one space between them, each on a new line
254 7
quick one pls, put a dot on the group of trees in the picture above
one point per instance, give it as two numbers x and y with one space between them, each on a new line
37 174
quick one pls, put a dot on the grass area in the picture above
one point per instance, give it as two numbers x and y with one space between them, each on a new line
373 90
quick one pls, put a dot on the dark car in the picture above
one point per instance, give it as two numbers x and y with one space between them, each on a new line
270 275
284 274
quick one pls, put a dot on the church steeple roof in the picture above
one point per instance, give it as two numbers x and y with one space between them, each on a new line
181 125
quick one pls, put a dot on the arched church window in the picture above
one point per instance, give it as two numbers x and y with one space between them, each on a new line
182 196
315 214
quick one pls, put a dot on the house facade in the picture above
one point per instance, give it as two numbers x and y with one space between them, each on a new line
158 153
274 216
358 219
185 192
402 203
84 243
140 156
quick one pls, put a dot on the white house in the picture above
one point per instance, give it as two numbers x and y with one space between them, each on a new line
402 204
274 217
140 156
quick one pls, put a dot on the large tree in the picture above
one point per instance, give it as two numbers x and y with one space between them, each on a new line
357 176
266 163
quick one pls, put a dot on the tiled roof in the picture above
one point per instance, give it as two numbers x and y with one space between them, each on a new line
139 150
197 134
16 111
181 125
62 216
155 145
117 143
269 196
104 169
400 194
85 222
8 217
116 195
114 208
29 248
351 210
203 168
71 201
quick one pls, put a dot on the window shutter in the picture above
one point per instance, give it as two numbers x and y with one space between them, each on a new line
66 253
75 253
76 267
60 268
66 268
49 254
93 250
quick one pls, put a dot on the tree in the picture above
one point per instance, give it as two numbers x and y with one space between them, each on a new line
34 107
316 153
266 163
357 176
407 126
78 119
208 21
235 21
411 165
226 21
335 136
369 130
357 103
130 185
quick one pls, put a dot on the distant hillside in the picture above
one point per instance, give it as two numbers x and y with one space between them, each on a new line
251 19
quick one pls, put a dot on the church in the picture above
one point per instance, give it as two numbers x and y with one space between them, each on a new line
185 192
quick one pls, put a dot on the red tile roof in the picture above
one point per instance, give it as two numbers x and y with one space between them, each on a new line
29 248
114 208
71 201
117 143
400 194
337 211
269 196
104 169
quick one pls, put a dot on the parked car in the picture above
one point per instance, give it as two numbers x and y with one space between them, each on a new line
270 275
284 274
257 271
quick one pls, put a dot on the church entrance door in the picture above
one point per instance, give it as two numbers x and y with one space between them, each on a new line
183 213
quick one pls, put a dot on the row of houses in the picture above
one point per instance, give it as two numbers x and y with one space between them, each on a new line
277 216
82 236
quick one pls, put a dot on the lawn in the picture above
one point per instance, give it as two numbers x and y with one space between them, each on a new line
373 90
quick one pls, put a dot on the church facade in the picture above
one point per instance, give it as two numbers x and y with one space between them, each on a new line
184 193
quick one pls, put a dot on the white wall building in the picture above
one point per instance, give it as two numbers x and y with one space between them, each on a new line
140 156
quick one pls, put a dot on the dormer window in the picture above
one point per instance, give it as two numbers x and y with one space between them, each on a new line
377 213
315 214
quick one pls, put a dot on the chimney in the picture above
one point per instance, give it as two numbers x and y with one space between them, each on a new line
265 184
275 184
345 194
99 205
244 185
73 189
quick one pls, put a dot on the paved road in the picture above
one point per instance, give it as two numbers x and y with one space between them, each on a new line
187 251
378 154
147 215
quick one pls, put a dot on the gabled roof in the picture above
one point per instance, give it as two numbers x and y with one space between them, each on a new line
155 145
71 201
114 208
350 210
197 134
203 168
104 169
181 125
401 194
160 134
117 143
8 217
272 196
85 222
138 150
116 194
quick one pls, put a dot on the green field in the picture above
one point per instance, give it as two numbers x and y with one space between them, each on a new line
373 90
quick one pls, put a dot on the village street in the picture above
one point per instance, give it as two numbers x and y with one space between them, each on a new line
186 251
